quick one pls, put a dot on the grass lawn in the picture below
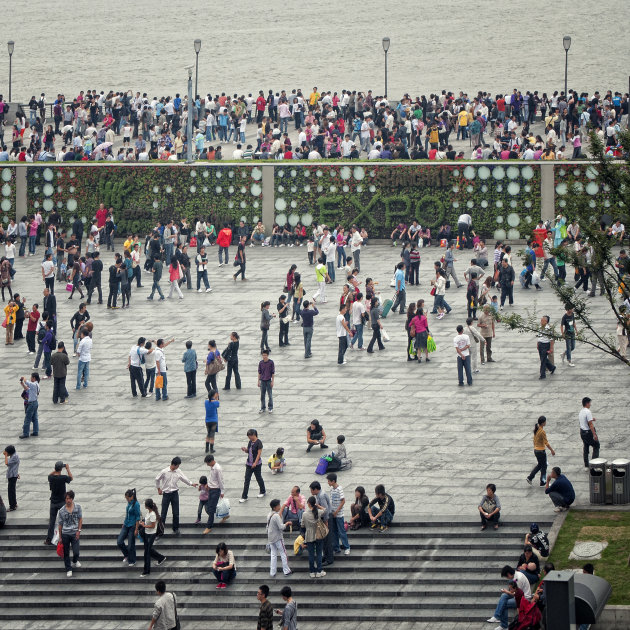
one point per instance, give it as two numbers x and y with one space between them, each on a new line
612 527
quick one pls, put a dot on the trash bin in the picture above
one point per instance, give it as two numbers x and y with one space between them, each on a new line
621 481
591 595
597 481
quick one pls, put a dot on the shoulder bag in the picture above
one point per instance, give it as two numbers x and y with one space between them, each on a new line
321 530
216 365
177 625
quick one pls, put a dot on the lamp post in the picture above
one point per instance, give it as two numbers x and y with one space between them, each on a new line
385 48
566 42
197 49
11 47
189 121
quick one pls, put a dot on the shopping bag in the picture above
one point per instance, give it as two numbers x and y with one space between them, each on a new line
69 286
322 466
159 381
55 538
431 347
60 549
384 335
223 508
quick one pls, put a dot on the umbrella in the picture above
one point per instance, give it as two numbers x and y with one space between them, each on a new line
103 145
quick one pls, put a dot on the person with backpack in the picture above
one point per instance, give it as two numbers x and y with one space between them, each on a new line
149 528
129 529
313 524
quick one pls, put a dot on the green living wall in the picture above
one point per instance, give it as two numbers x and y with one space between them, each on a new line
143 195
504 200
7 194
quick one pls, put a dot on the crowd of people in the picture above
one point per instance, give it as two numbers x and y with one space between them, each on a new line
325 124
333 258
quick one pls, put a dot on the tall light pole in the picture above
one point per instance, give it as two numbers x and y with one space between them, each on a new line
566 42
189 121
385 48
11 48
197 49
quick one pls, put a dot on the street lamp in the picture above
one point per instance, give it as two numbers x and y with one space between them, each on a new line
197 49
11 47
189 122
566 42
385 48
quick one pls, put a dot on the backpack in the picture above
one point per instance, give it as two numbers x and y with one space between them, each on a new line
41 333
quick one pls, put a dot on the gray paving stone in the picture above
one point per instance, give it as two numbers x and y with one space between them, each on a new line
408 426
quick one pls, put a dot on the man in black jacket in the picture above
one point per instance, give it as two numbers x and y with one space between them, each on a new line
114 279
50 307
77 230
95 278
506 282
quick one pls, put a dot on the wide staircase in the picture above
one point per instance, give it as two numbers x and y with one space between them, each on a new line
441 574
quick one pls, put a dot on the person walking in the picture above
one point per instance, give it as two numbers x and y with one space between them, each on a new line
57 484
127 537
275 530
241 260
147 530
307 316
164 616
587 431
377 327
224 239
545 347
486 327
70 523
265 319
253 465
10 312
568 330
95 279
84 352
355 247
266 378
212 418
401 294
449 263
540 445
12 462
506 282
216 489
477 338
289 614
321 276
343 330
32 390
283 308
167 486
156 270
359 314
265 614
174 276
230 356
202 270
462 347
190 369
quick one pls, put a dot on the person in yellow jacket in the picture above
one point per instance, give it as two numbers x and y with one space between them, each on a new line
10 310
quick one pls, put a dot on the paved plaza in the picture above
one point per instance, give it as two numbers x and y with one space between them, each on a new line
433 444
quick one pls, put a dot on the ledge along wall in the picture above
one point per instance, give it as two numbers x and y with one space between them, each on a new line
505 199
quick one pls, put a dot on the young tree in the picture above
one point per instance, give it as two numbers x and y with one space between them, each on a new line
596 260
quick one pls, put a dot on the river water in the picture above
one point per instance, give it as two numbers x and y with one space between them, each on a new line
249 45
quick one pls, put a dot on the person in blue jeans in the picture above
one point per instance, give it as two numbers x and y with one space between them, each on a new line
382 509
32 394
127 539
337 501
507 601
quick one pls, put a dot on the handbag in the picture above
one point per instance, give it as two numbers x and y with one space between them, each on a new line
285 320
60 549
432 292
177 625
215 366
159 381
193 241
69 286
321 530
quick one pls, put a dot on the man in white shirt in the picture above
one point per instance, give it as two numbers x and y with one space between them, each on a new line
358 308
160 364
314 155
587 430
355 247
342 334
375 152
365 134
238 153
134 365
216 490
618 230
346 146
462 347
507 598
166 484
302 138
84 351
